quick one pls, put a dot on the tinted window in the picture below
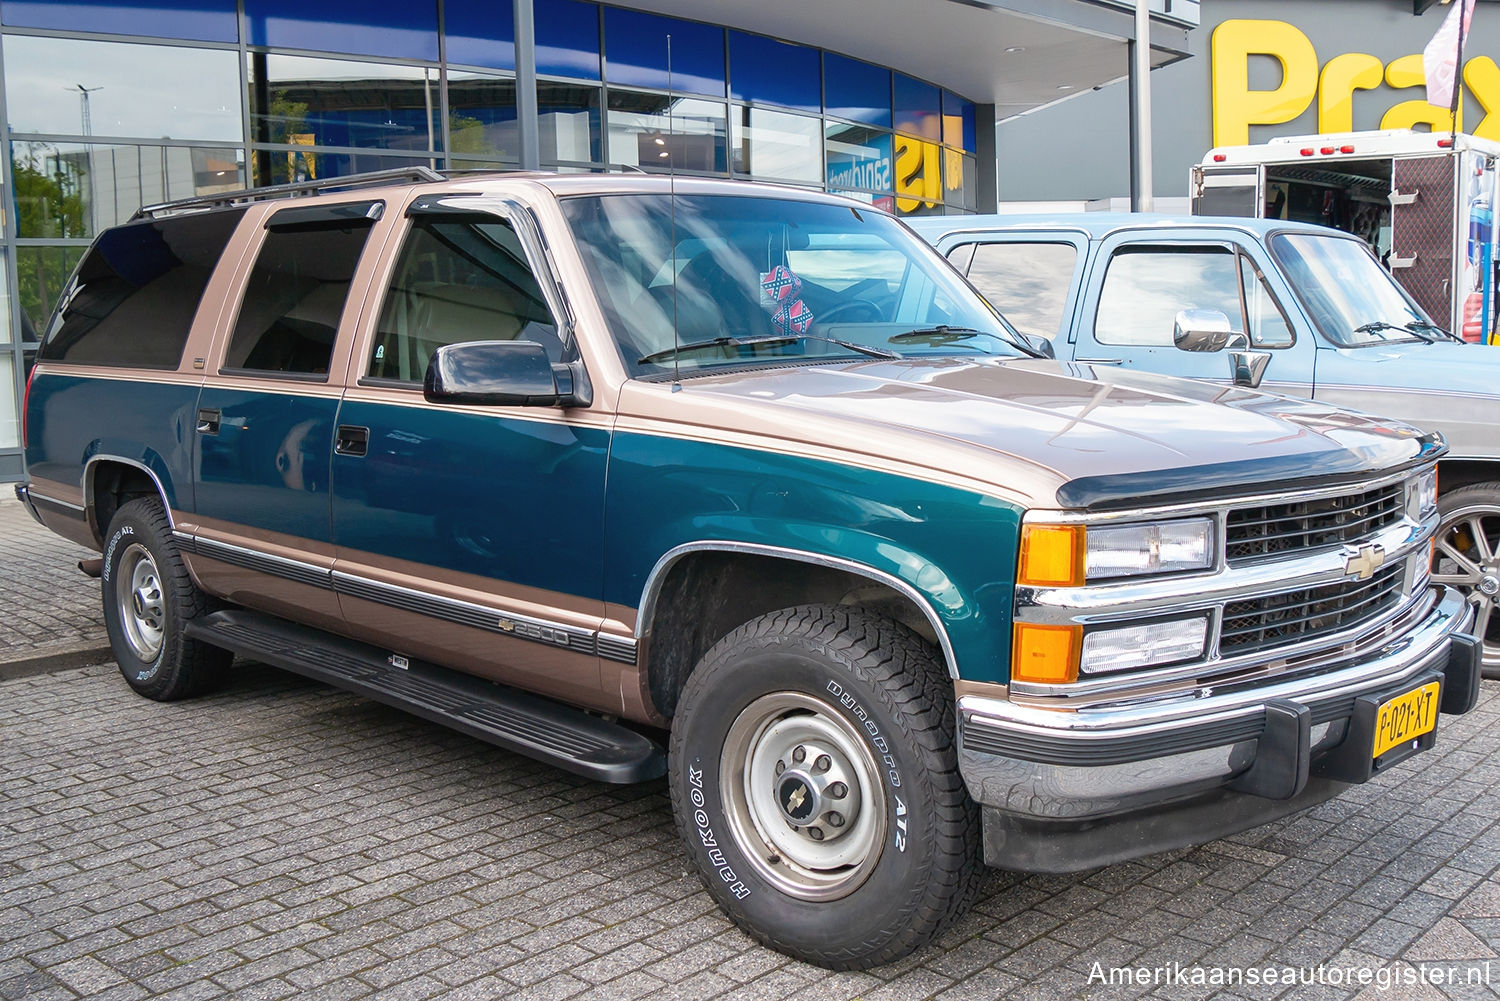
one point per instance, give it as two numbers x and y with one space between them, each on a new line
652 130
772 144
858 158
918 108
302 101
133 299
636 47
460 278
764 70
209 20
379 29
480 32
1144 290
567 38
856 90
295 296
1027 282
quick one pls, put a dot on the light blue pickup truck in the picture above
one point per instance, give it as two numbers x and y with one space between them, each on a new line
1286 307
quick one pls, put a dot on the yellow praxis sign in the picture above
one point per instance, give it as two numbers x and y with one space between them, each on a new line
1333 84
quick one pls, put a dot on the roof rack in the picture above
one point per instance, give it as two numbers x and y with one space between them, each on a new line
424 175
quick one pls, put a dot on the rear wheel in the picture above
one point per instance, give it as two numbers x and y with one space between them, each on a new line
148 600
1468 557
815 781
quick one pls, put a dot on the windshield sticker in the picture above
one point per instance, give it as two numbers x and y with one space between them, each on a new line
781 290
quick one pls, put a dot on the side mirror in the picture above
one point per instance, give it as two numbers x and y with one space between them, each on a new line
1038 343
503 374
1205 330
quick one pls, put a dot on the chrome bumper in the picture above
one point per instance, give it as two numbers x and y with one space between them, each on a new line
1034 764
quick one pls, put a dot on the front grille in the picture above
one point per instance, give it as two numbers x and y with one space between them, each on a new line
1279 619
1256 533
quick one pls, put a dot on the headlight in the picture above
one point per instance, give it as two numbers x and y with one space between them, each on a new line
1149 548
1147 644
1421 494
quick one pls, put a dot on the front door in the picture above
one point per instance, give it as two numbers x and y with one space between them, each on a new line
470 535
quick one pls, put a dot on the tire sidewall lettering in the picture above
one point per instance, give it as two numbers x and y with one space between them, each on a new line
708 839
890 769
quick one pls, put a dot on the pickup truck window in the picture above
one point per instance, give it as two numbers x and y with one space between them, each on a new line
295 296
133 298
459 278
737 269
1027 282
1349 295
1145 288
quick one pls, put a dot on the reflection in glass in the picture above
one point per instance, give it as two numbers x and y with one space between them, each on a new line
279 166
1028 282
636 46
404 30
568 125
567 39
642 134
917 108
66 86
41 272
770 144
205 20
301 101
766 71
74 190
960 179
10 424
858 158
958 121
1145 289
919 173
482 116
857 90
480 33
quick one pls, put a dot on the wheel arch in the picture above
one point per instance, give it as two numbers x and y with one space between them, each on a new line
1465 471
111 480
732 582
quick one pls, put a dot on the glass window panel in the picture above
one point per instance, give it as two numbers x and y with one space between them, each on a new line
303 101
458 279
482 116
857 90
1268 324
294 298
1145 289
1027 282
766 71
858 157
641 133
773 145
958 121
279 166
41 273
480 33
960 179
567 39
159 91
10 423
919 173
917 108
635 49
568 126
73 190
406 30
138 290
200 20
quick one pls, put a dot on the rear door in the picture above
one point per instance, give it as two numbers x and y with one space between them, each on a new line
1234 191
1423 203
1139 282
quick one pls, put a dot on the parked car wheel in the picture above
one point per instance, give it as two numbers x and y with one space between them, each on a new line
148 600
1468 557
815 782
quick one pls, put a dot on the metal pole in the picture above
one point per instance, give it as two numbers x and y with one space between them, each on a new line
526 113
1140 75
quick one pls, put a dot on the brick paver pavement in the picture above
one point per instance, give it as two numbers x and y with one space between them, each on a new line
282 839
49 602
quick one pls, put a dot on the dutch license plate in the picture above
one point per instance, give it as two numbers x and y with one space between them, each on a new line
1405 717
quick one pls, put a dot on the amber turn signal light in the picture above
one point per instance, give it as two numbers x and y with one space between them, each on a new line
1052 555
1047 655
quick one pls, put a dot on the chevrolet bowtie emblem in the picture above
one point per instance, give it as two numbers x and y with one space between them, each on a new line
795 799
1364 561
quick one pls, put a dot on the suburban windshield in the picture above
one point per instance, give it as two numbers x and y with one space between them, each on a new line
763 280
1351 297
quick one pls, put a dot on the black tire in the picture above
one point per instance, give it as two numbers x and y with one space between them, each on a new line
1468 557
149 596
870 684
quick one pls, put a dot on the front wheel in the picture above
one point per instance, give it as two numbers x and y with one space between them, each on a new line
815 782
1467 556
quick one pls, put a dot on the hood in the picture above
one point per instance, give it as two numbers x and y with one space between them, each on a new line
1446 365
1055 433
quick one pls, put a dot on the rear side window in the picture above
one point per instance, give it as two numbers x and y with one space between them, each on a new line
295 295
1027 282
133 299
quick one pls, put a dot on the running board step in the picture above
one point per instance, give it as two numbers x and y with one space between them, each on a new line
539 728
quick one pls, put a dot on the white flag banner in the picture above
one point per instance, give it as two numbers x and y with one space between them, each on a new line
1440 58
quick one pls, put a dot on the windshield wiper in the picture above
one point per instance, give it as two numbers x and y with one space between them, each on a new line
1381 326
943 334
734 342
1416 325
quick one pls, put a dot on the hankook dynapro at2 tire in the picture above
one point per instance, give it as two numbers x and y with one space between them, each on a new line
815 782
148 599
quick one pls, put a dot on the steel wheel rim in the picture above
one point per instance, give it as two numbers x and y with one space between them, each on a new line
799 830
1467 556
141 602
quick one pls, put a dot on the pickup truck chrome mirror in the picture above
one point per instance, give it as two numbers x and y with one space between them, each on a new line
503 374
1205 330
1247 368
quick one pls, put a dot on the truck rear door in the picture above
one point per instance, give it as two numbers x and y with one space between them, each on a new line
1423 232
1233 191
